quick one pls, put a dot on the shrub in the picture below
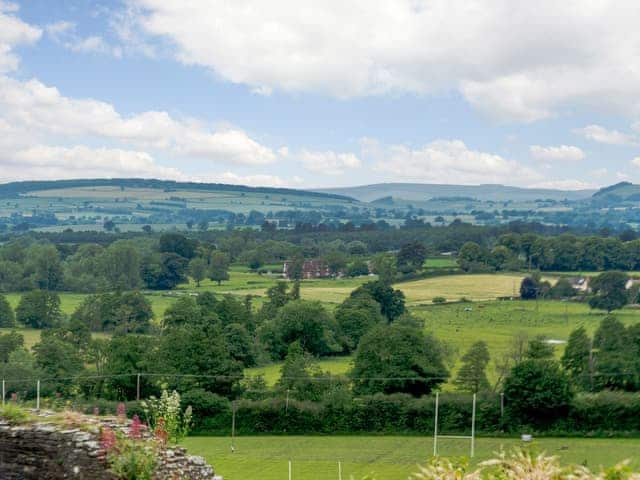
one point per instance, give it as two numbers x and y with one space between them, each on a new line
165 414
14 414
439 300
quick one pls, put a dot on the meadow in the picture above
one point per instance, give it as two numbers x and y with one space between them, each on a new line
388 457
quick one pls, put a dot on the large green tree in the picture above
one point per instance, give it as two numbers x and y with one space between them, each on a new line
7 316
609 291
398 358
39 309
577 358
219 267
472 376
411 257
355 316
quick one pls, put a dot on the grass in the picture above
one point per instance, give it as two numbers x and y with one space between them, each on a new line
454 287
389 457
271 373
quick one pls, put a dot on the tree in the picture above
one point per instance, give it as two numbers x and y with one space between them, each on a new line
109 225
577 358
48 273
7 317
178 244
472 376
120 265
9 343
164 271
398 358
532 288
537 392
540 349
298 375
59 361
335 261
126 356
385 266
302 321
391 301
39 309
411 257
355 316
609 291
562 289
615 356
219 267
358 268
198 269
295 268
473 258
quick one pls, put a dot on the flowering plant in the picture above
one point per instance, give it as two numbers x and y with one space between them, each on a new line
166 418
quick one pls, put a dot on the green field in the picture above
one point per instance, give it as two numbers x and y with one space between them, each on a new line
388 457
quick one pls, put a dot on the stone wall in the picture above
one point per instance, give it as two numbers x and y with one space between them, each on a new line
45 451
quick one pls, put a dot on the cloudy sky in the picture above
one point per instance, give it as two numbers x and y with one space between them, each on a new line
308 93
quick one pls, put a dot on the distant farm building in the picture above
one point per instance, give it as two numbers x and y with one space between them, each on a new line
310 269
580 284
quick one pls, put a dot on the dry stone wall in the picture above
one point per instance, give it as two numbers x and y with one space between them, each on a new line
45 451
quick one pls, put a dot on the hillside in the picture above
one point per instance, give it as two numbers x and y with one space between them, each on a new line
423 192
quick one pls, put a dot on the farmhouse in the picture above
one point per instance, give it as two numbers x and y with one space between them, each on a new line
310 269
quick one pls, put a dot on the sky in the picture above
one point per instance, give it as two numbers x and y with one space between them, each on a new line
309 94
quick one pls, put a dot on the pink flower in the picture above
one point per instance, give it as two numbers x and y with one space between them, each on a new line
135 429
107 439
122 410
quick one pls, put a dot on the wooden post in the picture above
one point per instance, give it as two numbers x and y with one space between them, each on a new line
233 427
435 429
138 388
473 427
3 393
38 395
289 469
501 404
339 470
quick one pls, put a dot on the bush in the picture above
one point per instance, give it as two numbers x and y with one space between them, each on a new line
14 414
439 300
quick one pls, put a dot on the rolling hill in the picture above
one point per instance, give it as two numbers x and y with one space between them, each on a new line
423 192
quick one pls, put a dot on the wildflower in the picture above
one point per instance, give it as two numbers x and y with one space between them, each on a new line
107 439
161 431
135 429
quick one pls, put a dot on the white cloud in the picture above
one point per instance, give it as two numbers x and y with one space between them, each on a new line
59 28
562 153
569 184
447 161
636 162
328 162
13 32
514 60
600 134
43 110
252 180
599 172
51 162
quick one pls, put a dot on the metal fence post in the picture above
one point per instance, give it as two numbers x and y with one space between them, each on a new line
38 395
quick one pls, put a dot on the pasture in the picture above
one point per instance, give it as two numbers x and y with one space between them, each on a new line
388 457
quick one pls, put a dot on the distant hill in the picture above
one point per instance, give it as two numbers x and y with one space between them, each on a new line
623 191
18 188
425 191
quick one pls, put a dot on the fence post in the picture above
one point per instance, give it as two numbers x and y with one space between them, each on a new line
339 470
501 404
289 469
138 388
473 427
38 395
435 429
233 427
3 393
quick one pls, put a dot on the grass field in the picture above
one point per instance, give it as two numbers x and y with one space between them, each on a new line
455 287
388 457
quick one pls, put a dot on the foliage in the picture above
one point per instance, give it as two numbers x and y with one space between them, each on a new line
130 458
472 376
14 414
198 269
392 302
398 358
39 309
306 322
358 314
7 317
9 343
411 257
609 291
537 392
219 267
577 357
166 411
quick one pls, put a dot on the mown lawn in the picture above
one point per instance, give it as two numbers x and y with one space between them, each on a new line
388 457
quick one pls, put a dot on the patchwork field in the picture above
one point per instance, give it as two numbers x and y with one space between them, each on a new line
388 457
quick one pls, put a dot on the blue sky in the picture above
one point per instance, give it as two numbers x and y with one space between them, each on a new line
316 94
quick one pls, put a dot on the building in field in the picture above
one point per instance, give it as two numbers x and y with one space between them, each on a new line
310 269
